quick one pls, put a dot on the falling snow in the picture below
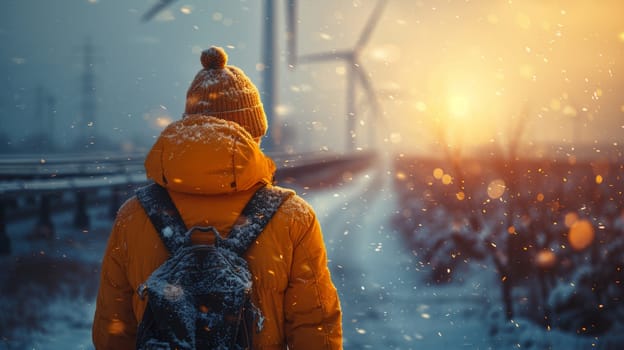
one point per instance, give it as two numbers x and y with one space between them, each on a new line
493 218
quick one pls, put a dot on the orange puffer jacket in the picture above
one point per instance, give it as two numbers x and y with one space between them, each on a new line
211 168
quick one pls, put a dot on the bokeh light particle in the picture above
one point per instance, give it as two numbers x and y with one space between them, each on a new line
187 10
163 121
570 219
447 179
581 234
540 197
438 173
496 189
545 259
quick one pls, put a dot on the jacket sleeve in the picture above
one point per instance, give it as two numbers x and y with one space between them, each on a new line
311 305
114 323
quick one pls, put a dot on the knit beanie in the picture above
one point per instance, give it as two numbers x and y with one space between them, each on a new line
225 92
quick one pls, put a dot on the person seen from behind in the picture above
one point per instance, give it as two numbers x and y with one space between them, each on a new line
210 163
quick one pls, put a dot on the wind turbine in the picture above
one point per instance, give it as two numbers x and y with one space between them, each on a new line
270 72
355 72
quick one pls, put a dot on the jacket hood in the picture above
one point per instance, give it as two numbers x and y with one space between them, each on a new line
206 155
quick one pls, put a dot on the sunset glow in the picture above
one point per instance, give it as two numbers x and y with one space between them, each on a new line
458 106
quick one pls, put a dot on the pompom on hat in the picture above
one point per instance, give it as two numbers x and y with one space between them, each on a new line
227 93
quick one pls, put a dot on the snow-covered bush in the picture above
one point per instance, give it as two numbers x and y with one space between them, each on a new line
554 231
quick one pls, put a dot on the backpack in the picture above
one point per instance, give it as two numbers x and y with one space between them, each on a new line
200 297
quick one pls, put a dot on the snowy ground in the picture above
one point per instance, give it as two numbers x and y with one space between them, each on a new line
51 283
386 304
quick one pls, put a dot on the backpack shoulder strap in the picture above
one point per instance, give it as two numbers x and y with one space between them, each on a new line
164 215
254 218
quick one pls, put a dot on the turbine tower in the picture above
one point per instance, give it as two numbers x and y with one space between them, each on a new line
291 32
355 72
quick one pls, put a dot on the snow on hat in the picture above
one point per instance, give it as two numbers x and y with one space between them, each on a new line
227 93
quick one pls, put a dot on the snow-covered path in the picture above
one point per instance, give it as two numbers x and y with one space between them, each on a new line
386 303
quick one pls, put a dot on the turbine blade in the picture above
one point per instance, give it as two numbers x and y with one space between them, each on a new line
370 25
151 13
326 56
291 32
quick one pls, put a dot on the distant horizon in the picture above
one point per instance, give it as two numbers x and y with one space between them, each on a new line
554 151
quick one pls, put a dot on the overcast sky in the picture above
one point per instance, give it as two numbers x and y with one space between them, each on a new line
467 65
